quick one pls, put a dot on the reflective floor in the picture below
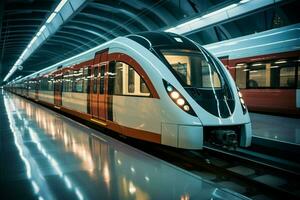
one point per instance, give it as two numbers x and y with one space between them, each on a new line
47 156
278 128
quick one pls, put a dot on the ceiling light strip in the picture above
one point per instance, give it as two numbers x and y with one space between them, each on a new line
223 14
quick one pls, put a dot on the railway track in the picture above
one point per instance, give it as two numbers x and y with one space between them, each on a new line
249 173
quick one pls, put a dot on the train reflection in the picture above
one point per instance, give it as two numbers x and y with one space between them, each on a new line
64 159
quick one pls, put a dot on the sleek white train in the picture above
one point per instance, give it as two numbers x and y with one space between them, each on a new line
154 86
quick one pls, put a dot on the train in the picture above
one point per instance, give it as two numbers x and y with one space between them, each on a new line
266 68
154 86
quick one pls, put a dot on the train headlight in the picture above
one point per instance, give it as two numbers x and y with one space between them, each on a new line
174 95
180 102
169 88
240 94
178 99
186 108
242 101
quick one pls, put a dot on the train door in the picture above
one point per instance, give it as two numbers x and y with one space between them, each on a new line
58 90
98 89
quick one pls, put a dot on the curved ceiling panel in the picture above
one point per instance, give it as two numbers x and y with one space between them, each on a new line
98 21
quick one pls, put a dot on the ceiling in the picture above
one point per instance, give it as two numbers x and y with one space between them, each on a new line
98 21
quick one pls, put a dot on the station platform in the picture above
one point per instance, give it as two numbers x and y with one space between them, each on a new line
45 155
276 128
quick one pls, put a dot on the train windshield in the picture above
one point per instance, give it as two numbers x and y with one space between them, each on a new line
201 76
193 69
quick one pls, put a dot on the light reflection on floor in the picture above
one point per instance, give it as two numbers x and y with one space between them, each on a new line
63 160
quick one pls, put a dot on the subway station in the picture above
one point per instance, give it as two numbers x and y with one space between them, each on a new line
150 99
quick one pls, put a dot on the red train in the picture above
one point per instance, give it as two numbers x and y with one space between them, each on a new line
266 68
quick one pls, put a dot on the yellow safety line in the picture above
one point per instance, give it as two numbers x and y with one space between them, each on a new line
99 122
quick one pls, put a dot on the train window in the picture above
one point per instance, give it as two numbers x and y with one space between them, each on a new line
298 78
78 80
193 68
68 81
43 84
102 71
124 80
259 75
241 74
86 80
50 83
143 87
267 74
287 77
65 82
95 80
131 77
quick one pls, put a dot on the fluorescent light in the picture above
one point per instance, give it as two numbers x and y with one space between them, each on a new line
281 61
60 5
32 41
170 29
274 66
257 64
220 10
51 17
244 1
41 30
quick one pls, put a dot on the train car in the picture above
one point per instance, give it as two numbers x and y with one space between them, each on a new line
266 68
154 86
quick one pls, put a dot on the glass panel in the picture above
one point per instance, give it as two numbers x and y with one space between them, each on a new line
102 74
131 78
87 78
143 87
118 86
65 82
241 75
268 74
193 68
258 76
95 80
298 66
287 77
123 79
70 81
78 80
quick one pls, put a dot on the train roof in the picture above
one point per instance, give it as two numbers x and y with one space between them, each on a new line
146 39
163 40
277 40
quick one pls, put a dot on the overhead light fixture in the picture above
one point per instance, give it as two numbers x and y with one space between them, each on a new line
281 61
51 17
244 1
41 30
60 5
257 64
275 66
220 10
